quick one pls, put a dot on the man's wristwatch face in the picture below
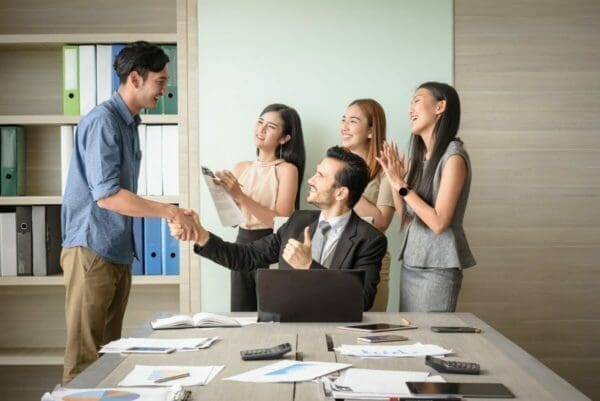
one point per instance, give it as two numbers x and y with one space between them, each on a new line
403 191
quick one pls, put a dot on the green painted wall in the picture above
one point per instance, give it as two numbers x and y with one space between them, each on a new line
316 56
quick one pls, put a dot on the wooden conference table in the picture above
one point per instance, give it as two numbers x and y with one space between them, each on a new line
500 359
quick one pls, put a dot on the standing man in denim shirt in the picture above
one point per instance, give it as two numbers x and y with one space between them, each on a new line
99 203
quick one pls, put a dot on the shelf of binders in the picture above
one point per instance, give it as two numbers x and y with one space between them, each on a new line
57 280
57 119
57 200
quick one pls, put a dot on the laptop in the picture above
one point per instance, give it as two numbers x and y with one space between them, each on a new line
310 295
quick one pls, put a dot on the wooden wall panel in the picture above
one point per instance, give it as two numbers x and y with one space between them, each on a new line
528 73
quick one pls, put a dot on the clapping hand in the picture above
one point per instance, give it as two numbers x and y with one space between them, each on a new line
394 165
299 254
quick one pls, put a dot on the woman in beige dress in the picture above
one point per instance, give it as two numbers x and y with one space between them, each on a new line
266 187
363 133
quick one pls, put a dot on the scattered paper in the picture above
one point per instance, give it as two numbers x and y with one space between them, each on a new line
378 351
180 344
371 384
289 371
143 375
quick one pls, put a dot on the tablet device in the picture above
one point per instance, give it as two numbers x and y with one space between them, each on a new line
381 339
378 327
469 390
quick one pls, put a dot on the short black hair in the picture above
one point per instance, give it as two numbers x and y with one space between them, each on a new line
355 176
141 57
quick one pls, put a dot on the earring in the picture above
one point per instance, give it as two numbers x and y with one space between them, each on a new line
280 150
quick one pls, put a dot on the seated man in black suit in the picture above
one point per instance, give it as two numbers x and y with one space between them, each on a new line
334 237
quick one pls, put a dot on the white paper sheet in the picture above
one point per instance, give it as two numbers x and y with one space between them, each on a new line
144 375
180 344
392 351
289 371
370 384
228 211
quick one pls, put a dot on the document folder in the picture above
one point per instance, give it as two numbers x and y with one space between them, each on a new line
152 246
46 240
8 239
71 80
104 68
116 49
170 98
12 164
170 251
137 267
24 241
87 78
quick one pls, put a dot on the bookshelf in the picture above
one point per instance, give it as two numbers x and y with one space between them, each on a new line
32 34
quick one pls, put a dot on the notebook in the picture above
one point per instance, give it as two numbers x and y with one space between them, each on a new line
310 295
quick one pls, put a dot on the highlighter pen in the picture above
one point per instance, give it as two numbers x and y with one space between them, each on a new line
169 378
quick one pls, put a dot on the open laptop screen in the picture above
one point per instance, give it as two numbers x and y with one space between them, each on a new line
310 295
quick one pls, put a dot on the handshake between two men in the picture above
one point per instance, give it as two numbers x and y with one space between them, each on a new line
297 254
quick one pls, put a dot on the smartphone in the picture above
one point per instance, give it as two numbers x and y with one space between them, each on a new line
148 350
382 339
469 390
455 329
377 327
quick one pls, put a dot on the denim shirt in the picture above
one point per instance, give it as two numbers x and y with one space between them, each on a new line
106 158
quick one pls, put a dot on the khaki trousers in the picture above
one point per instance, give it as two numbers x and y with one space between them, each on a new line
383 288
95 303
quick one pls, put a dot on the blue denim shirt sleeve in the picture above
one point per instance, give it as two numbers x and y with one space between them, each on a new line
103 171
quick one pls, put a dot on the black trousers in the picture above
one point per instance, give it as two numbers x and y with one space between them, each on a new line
243 285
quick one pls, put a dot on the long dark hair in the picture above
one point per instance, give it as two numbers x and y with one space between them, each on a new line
444 132
293 150
376 120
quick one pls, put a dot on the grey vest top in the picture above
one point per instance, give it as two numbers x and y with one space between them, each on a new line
450 249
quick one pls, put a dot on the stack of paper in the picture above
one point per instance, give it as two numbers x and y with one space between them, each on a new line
143 375
289 371
379 351
371 384
175 393
180 344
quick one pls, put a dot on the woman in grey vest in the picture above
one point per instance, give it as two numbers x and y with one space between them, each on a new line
430 192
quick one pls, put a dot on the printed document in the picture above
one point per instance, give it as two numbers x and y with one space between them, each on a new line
143 375
229 213
287 371
378 351
180 344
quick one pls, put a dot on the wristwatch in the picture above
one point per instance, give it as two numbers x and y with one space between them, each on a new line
404 191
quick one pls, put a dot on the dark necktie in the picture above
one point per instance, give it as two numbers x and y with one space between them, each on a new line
319 243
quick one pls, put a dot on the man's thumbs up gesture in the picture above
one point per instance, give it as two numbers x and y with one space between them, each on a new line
298 254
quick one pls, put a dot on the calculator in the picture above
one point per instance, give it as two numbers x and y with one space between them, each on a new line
442 365
257 354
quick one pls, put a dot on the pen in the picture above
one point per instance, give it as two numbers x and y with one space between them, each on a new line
169 378
451 398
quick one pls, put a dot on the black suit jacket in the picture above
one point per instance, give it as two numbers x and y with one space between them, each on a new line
361 246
